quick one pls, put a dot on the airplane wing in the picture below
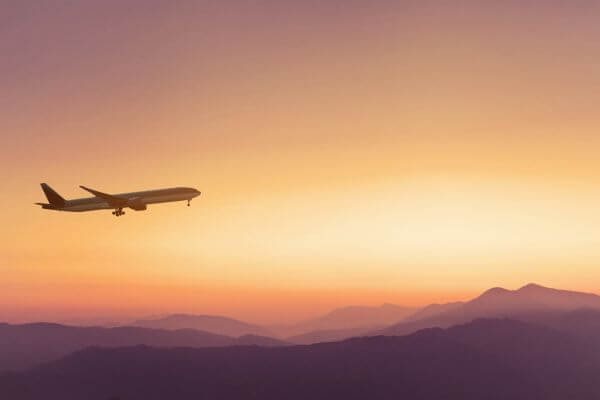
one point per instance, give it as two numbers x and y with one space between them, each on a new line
114 201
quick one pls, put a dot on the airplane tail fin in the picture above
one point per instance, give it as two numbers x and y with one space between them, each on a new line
54 198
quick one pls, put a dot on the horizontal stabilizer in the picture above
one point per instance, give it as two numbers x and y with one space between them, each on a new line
47 206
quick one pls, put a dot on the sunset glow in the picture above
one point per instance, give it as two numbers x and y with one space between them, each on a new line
402 153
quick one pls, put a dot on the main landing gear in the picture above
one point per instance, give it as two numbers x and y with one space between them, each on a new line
118 212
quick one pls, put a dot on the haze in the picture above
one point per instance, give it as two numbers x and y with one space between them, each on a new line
348 152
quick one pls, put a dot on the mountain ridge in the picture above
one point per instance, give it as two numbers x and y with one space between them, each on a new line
486 358
499 302
217 324
25 345
349 318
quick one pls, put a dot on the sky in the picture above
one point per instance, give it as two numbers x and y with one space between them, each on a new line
348 152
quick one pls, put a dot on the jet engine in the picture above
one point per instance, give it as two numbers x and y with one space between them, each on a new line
137 204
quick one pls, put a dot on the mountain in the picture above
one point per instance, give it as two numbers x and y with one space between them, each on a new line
484 359
333 335
208 323
582 323
560 365
22 346
433 309
352 318
255 340
498 302
533 297
355 316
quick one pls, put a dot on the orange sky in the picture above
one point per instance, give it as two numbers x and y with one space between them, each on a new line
347 154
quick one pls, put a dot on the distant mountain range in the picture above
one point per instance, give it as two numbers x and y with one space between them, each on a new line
346 321
574 313
493 359
208 323
333 335
433 309
353 316
23 346
338 324
525 302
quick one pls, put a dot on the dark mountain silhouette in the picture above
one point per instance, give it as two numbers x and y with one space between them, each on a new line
582 323
559 364
485 359
353 318
208 323
255 340
498 302
22 346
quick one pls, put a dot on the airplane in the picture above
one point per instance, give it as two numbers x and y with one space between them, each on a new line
137 201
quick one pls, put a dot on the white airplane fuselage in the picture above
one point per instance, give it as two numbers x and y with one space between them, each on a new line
146 197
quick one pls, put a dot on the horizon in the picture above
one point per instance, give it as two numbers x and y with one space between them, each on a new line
347 154
108 318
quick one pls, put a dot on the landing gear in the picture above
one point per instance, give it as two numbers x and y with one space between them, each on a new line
118 212
189 202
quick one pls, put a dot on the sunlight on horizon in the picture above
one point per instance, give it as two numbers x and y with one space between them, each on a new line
389 154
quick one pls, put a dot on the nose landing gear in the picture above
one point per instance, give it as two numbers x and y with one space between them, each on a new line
189 200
